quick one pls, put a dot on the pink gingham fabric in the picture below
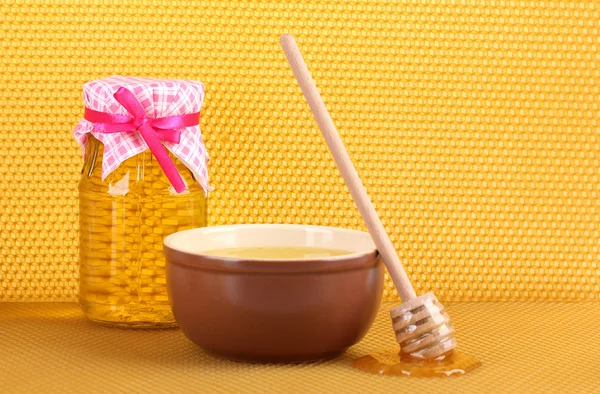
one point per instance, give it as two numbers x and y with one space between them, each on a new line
160 98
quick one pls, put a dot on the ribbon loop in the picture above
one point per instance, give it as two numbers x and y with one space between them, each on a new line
153 131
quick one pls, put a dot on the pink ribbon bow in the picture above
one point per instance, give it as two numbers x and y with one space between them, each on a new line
153 131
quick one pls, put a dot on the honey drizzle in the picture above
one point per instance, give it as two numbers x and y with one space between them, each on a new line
390 362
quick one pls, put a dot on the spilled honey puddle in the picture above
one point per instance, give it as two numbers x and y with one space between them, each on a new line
389 362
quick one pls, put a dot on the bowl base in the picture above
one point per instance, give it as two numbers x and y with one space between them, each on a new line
275 359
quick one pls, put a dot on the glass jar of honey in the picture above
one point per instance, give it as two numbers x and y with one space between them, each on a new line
144 177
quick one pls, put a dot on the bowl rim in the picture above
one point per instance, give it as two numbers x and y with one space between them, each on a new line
350 261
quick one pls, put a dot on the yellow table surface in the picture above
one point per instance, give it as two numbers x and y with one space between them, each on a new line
524 347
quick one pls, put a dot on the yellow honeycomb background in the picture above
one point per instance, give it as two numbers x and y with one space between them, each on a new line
473 124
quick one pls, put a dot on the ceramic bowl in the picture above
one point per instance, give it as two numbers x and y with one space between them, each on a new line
273 310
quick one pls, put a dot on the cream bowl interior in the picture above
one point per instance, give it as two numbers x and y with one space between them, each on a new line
200 240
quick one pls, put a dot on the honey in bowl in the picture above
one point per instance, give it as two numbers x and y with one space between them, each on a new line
277 252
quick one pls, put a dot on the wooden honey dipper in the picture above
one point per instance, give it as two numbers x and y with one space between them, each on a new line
421 324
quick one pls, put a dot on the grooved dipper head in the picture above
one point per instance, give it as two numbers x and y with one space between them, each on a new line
423 328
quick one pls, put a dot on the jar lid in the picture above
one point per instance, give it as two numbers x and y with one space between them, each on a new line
131 114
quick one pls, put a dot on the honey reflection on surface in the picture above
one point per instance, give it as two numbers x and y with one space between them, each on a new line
389 362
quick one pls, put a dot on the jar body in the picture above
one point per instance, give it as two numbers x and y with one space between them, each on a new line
122 223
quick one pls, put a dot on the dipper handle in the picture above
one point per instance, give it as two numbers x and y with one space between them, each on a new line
342 159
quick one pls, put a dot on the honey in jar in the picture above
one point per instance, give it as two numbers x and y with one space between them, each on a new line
144 177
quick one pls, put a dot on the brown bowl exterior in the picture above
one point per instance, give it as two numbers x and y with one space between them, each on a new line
281 311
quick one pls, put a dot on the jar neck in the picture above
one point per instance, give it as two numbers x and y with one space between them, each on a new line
142 167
